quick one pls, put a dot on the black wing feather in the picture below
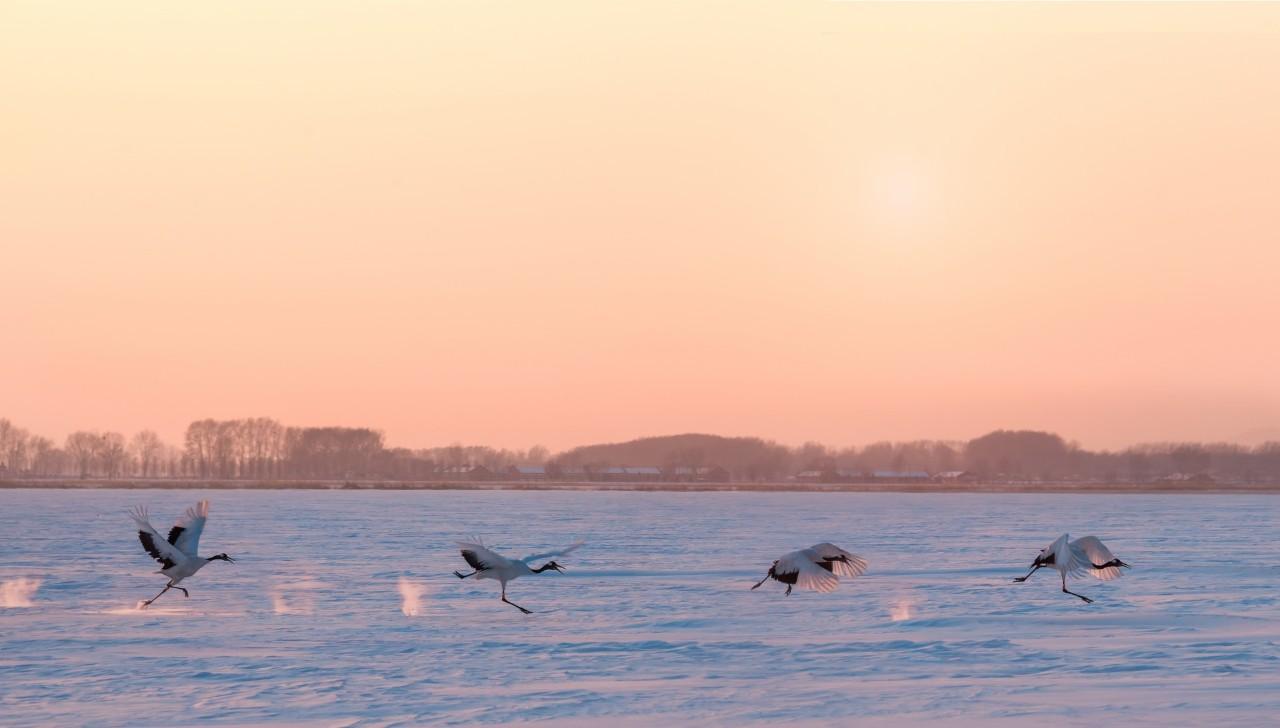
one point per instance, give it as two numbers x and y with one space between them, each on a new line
474 561
174 533
786 577
150 546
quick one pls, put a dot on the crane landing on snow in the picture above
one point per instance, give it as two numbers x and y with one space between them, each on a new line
816 568
177 554
1085 555
489 564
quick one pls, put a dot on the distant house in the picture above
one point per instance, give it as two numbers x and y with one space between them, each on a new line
628 475
680 474
1186 479
900 476
714 474
708 474
527 472
464 472
830 476
572 474
957 476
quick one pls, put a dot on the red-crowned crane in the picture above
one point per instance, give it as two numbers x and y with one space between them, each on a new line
177 554
489 564
817 568
1086 555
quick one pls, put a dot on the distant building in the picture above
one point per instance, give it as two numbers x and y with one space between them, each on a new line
572 475
714 474
628 475
957 476
527 472
708 474
1186 479
464 472
830 476
901 476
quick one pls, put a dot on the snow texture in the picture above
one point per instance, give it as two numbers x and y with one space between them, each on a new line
342 611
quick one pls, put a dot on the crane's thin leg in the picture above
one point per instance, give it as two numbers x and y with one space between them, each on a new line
152 599
788 592
1021 579
461 575
758 583
1087 600
185 593
517 606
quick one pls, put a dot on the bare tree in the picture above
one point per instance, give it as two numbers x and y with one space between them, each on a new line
82 447
199 442
171 459
10 437
16 454
112 453
275 445
44 457
148 449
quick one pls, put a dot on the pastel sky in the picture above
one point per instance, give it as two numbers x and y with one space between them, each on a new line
558 223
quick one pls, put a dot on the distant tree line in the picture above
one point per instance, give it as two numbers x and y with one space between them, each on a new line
256 448
261 448
1026 455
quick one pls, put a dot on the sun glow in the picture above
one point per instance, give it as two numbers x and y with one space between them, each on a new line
897 195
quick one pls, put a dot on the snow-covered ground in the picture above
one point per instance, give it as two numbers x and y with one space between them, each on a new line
341 611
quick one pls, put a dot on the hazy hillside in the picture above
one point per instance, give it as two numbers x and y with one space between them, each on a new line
747 458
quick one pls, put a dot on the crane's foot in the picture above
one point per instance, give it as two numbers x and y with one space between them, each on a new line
1087 600
517 606
1019 579
185 593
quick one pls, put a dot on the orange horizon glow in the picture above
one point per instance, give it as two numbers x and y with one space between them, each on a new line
516 224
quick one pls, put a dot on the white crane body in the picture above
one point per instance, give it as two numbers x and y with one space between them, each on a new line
1084 556
178 554
489 564
816 568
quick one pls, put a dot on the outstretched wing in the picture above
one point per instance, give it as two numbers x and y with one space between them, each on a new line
185 535
162 551
555 554
480 557
842 563
1063 557
806 574
1092 553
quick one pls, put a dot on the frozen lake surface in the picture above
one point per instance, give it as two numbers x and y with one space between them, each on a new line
653 622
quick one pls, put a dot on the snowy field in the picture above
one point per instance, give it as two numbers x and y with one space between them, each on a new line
342 611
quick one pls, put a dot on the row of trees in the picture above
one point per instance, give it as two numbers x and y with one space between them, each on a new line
1000 455
86 453
263 449
257 448
1031 455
